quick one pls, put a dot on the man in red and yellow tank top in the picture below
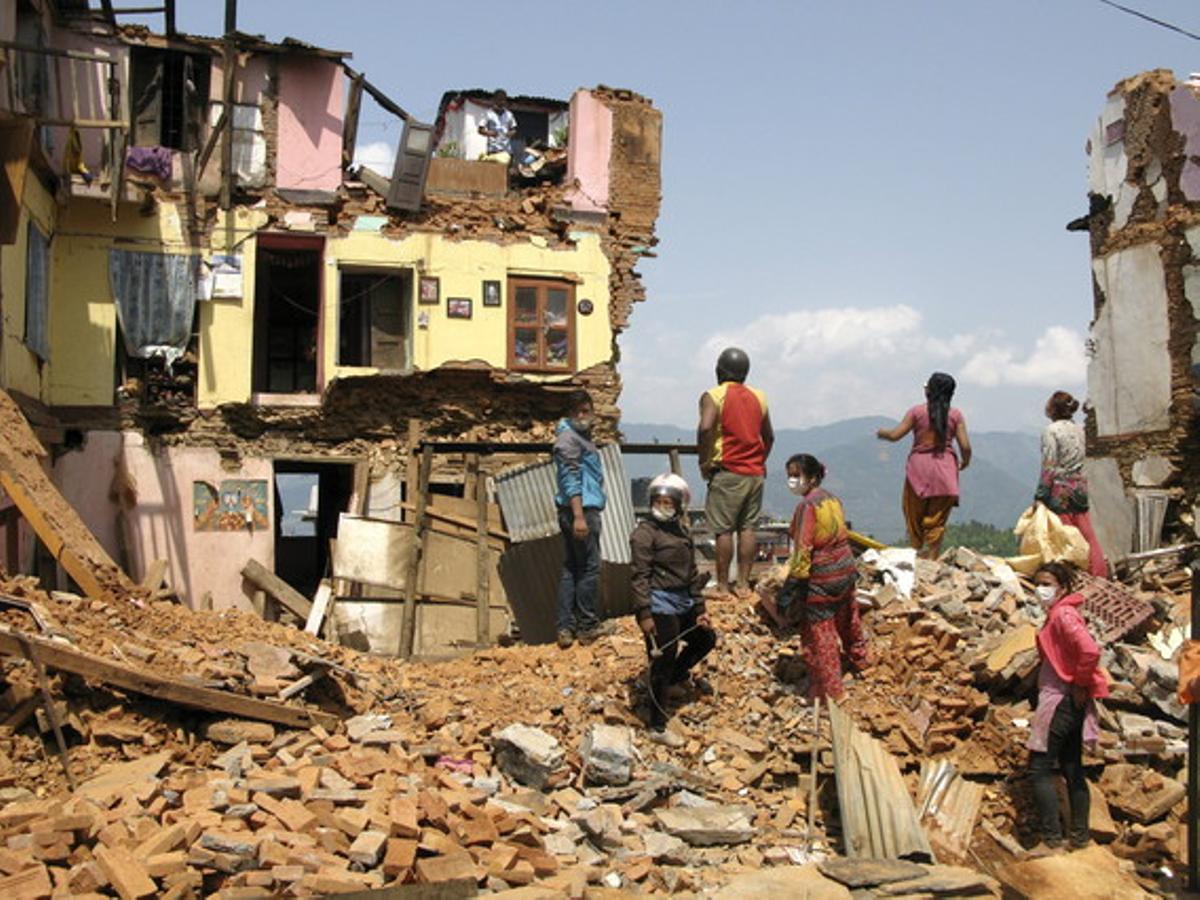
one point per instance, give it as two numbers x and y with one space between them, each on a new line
734 438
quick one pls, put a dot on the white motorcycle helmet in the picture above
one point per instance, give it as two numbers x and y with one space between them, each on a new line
674 487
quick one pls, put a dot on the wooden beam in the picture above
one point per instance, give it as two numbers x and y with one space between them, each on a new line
72 563
482 555
170 17
350 123
213 137
408 614
256 573
319 607
228 71
460 521
68 659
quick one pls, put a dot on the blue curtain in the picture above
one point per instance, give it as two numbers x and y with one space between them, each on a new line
156 300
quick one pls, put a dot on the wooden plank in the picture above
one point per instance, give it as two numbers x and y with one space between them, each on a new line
72 563
68 659
320 606
350 122
155 572
256 573
468 522
408 615
49 514
482 556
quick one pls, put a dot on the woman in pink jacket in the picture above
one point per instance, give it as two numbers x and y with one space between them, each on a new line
1069 681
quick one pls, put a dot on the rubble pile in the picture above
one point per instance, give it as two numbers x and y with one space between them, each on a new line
529 766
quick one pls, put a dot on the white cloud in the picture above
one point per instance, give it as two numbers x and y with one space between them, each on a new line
1057 360
378 155
818 335
823 365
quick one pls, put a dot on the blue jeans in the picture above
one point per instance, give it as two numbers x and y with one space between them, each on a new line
581 573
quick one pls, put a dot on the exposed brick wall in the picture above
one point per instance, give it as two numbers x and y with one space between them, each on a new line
1152 143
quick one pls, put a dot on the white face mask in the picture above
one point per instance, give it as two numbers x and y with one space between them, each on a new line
663 513
1046 594
798 486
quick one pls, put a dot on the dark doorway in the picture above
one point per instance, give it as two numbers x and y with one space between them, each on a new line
287 315
309 497
373 318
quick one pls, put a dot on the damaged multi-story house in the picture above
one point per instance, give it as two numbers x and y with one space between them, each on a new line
210 310
1144 348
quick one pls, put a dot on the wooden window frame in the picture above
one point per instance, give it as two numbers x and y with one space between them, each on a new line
541 285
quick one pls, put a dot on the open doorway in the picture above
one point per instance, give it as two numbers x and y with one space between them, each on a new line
287 314
310 497
374 318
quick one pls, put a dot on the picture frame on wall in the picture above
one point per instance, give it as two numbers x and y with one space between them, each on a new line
491 293
458 307
429 290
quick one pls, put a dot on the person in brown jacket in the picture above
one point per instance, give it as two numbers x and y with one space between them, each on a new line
667 599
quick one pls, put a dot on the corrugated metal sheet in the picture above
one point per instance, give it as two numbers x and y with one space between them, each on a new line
877 813
526 498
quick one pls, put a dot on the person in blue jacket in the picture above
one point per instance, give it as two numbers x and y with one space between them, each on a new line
580 500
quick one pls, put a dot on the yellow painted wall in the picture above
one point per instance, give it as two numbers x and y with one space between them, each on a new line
463 266
83 317
19 367
227 325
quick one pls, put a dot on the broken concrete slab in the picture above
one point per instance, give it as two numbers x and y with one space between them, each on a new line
267 661
359 727
707 826
943 881
1142 794
866 873
122 776
528 755
1089 874
665 848
785 881
607 752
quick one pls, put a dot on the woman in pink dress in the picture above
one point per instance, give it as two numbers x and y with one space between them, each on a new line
931 475
1063 486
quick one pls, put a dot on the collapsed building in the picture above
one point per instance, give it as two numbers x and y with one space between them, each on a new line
1144 227
210 310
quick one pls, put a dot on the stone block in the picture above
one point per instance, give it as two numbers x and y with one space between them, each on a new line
527 755
607 752
707 825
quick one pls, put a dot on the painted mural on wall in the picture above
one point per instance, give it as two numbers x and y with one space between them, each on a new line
239 505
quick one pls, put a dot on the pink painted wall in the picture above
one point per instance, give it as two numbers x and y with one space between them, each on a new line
85 478
589 152
311 96
160 525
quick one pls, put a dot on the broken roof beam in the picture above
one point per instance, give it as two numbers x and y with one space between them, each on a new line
48 513
377 95
263 579
65 658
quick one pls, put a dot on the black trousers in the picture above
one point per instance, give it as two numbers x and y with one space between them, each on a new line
675 663
1064 746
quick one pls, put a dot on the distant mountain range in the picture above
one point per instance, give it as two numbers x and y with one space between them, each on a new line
868 474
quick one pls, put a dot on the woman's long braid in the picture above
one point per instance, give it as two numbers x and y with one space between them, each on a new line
939 391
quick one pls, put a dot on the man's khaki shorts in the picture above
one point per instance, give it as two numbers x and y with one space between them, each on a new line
734 502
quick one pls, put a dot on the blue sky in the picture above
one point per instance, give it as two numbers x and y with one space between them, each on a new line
858 192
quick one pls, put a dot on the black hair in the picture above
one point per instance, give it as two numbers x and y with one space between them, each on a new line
1060 572
809 466
578 399
939 391
1062 405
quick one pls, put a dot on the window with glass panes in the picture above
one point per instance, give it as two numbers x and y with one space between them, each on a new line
541 326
